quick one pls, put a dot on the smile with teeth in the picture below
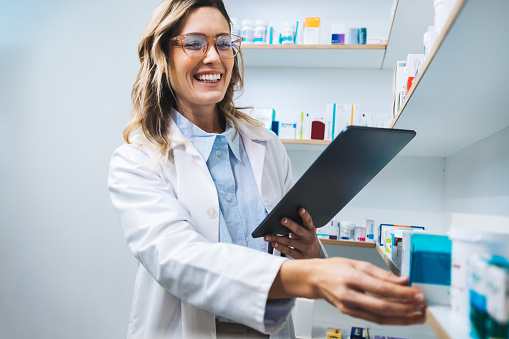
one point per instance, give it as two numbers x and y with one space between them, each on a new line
208 77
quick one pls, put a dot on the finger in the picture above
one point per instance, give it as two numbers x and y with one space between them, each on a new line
295 254
286 241
375 305
387 289
306 219
380 273
295 236
409 319
294 227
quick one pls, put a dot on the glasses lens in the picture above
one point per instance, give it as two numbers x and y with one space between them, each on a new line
195 45
228 45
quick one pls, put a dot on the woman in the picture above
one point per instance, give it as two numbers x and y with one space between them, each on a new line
194 181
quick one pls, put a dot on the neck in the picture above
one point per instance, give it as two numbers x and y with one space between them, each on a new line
207 118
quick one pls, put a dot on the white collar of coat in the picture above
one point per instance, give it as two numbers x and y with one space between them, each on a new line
245 129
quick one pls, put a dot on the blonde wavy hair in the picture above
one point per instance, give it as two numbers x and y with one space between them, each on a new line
152 95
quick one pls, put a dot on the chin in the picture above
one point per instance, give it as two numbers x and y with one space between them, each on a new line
210 99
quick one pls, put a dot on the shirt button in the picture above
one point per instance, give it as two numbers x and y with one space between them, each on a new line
218 153
212 213
227 198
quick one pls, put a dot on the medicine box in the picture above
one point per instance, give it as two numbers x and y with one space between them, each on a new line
413 64
311 34
358 333
265 115
386 231
399 88
333 333
430 266
287 130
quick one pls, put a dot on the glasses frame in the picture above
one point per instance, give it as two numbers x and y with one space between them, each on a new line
180 38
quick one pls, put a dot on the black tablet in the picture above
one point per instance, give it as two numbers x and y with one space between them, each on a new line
351 160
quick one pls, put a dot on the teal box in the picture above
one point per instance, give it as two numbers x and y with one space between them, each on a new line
430 266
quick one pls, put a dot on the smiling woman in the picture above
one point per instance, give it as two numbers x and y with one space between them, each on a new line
191 77
154 90
196 176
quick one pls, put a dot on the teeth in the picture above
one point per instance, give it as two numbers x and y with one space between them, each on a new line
209 77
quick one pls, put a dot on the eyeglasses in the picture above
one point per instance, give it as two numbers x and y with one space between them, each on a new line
196 45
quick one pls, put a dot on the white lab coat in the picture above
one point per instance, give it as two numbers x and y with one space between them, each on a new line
169 212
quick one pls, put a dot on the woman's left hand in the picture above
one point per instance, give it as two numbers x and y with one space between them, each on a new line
302 242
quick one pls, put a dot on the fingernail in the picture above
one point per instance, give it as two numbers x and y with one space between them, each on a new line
267 238
275 245
285 221
419 297
303 211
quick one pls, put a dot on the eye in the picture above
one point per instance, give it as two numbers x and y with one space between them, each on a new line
194 42
224 42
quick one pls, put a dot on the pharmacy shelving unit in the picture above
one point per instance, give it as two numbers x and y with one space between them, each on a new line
460 95
458 98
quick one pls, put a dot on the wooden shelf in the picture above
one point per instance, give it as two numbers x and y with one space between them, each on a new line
305 142
348 243
444 324
388 261
459 96
305 145
313 47
314 56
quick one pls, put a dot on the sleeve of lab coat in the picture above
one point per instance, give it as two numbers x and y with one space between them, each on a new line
226 279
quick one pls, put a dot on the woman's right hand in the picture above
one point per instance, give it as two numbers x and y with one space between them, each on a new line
356 288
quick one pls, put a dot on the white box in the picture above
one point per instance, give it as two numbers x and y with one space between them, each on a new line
413 65
398 88
330 120
303 317
311 34
264 115
306 125
287 130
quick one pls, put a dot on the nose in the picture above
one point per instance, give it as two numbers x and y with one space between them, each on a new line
212 57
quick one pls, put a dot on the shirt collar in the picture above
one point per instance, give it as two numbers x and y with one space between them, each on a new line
204 141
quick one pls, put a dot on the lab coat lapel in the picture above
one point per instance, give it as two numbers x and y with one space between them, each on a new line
256 154
195 176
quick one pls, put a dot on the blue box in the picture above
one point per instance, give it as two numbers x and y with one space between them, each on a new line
430 266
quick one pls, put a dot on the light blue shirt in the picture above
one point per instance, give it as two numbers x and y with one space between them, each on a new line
241 206
240 203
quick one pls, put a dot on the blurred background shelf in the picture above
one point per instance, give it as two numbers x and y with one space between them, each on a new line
314 56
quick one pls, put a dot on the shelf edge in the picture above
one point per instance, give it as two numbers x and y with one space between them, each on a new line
347 243
331 47
305 142
435 325
388 261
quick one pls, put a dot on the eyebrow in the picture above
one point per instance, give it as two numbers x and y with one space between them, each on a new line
219 34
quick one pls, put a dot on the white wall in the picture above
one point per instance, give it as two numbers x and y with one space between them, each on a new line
476 193
66 70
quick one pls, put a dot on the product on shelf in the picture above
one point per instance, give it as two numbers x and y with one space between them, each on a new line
430 266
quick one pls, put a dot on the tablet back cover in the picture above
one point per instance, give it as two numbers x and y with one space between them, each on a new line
355 157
